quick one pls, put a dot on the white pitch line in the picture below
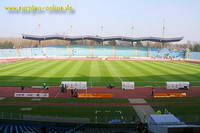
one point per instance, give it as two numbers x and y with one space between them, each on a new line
119 111
97 111
96 119
2 98
113 71
74 71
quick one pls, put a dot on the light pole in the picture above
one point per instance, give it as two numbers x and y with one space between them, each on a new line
163 29
102 28
132 30
39 29
71 29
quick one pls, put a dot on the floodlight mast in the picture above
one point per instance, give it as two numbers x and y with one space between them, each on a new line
102 28
39 27
132 31
163 32
71 29
39 31
163 29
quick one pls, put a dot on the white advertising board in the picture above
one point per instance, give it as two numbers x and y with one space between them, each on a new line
41 95
74 84
128 85
177 85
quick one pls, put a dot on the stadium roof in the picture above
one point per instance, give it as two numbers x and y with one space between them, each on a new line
99 38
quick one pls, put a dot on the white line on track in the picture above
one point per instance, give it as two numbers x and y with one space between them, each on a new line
57 93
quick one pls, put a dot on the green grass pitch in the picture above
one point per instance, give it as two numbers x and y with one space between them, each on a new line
99 114
97 73
65 100
185 112
70 111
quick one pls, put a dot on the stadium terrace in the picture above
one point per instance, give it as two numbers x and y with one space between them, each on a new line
101 39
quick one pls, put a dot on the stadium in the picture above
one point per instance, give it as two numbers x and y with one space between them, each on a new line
98 84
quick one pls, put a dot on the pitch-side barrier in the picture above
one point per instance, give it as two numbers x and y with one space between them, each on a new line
95 95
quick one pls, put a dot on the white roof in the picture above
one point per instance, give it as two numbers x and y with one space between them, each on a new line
183 126
164 119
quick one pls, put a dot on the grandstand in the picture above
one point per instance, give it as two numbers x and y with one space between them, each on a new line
98 49
35 127
15 126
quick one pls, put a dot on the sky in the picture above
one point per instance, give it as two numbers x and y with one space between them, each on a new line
180 17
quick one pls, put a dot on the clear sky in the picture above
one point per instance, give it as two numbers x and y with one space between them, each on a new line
182 18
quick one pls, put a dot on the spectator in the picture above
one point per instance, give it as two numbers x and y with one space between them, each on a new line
110 86
22 88
44 85
44 129
72 92
152 92
75 92
158 112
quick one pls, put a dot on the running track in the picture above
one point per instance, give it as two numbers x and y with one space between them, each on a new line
95 104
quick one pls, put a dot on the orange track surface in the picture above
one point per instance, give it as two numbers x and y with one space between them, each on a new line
95 95
170 94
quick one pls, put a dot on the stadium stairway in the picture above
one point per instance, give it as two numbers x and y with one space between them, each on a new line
143 111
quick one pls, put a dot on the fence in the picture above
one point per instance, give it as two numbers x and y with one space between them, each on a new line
100 118
10 116
26 117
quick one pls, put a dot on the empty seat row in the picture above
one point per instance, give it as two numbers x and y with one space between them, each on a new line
18 129
11 128
96 50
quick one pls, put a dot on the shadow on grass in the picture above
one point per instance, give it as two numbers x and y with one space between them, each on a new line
153 80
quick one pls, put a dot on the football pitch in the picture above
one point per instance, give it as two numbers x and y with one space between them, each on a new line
97 73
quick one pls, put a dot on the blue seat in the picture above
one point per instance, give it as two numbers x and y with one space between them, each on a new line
20 128
25 52
80 50
96 50
143 51
38 52
7 52
154 52
194 55
125 51
100 50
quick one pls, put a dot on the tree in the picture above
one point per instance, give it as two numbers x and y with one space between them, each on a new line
112 43
6 45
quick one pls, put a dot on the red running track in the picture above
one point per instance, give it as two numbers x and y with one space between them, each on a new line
140 92
97 104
